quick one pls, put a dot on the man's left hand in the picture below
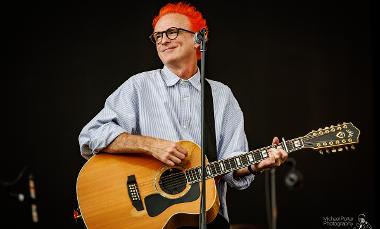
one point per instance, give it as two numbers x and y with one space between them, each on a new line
276 157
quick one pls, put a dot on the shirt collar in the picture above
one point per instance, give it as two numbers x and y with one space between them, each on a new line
171 79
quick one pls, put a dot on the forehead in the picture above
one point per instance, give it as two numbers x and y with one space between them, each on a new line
172 20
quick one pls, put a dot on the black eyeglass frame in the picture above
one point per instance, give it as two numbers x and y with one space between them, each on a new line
151 37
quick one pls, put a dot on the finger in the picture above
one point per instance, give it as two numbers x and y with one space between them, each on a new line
275 154
275 141
181 150
278 162
283 155
178 154
274 159
175 159
267 163
169 162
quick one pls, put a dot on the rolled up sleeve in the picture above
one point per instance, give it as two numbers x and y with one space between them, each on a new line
117 116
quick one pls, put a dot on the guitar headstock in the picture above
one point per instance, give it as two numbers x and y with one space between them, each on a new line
333 138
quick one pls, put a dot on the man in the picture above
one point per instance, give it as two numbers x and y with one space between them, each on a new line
153 110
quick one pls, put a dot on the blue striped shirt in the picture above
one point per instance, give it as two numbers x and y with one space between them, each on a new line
160 104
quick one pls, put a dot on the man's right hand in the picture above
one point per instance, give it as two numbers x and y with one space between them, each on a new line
168 152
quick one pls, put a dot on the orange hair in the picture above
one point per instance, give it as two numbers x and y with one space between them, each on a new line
197 22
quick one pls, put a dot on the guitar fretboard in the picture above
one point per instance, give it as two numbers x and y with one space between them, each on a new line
216 168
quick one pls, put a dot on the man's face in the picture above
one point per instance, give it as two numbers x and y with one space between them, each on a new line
180 49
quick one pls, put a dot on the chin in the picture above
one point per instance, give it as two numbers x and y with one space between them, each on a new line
168 59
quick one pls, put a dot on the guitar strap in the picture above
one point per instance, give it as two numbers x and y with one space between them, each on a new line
210 136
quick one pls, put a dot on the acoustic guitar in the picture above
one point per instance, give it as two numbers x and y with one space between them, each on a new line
119 191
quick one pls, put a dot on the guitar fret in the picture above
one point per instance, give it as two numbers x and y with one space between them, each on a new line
222 167
251 157
217 168
227 164
291 146
192 172
212 169
288 145
257 156
188 175
238 162
244 159
208 172
215 165
232 163
264 154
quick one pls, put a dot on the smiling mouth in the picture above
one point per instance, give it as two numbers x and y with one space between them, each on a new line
168 49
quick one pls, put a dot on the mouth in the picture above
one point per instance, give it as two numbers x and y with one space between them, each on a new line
168 49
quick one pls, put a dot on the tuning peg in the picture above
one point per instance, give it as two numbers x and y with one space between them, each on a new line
326 128
333 150
327 151
319 129
321 152
340 149
352 147
346 147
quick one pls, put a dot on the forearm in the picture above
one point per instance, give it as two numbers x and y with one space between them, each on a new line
168 152
128 143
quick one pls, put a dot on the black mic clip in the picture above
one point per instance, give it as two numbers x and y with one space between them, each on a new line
200 36
293 178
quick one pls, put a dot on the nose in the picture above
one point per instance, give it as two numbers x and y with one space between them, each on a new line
165 38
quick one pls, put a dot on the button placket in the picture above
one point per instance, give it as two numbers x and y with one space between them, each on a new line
185 103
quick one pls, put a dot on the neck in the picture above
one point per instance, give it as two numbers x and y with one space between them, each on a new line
184 71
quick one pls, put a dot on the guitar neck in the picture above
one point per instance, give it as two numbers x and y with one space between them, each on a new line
221 167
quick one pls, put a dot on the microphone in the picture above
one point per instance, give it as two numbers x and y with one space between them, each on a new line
200 36
32 195
293 178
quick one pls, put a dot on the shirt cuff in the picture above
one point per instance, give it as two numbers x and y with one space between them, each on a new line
104 136
239 182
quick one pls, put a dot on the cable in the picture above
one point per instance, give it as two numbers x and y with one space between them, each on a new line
7 184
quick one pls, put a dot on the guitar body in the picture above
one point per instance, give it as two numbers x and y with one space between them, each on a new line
105 200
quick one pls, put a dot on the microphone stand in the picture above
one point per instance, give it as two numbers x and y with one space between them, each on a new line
273 222
201 36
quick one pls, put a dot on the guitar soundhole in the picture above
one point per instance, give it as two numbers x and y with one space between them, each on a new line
173 181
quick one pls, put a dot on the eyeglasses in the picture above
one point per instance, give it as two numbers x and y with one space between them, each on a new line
171 33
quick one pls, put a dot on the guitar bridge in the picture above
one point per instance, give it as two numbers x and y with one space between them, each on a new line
133 193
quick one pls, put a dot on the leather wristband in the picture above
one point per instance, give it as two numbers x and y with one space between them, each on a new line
253 171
